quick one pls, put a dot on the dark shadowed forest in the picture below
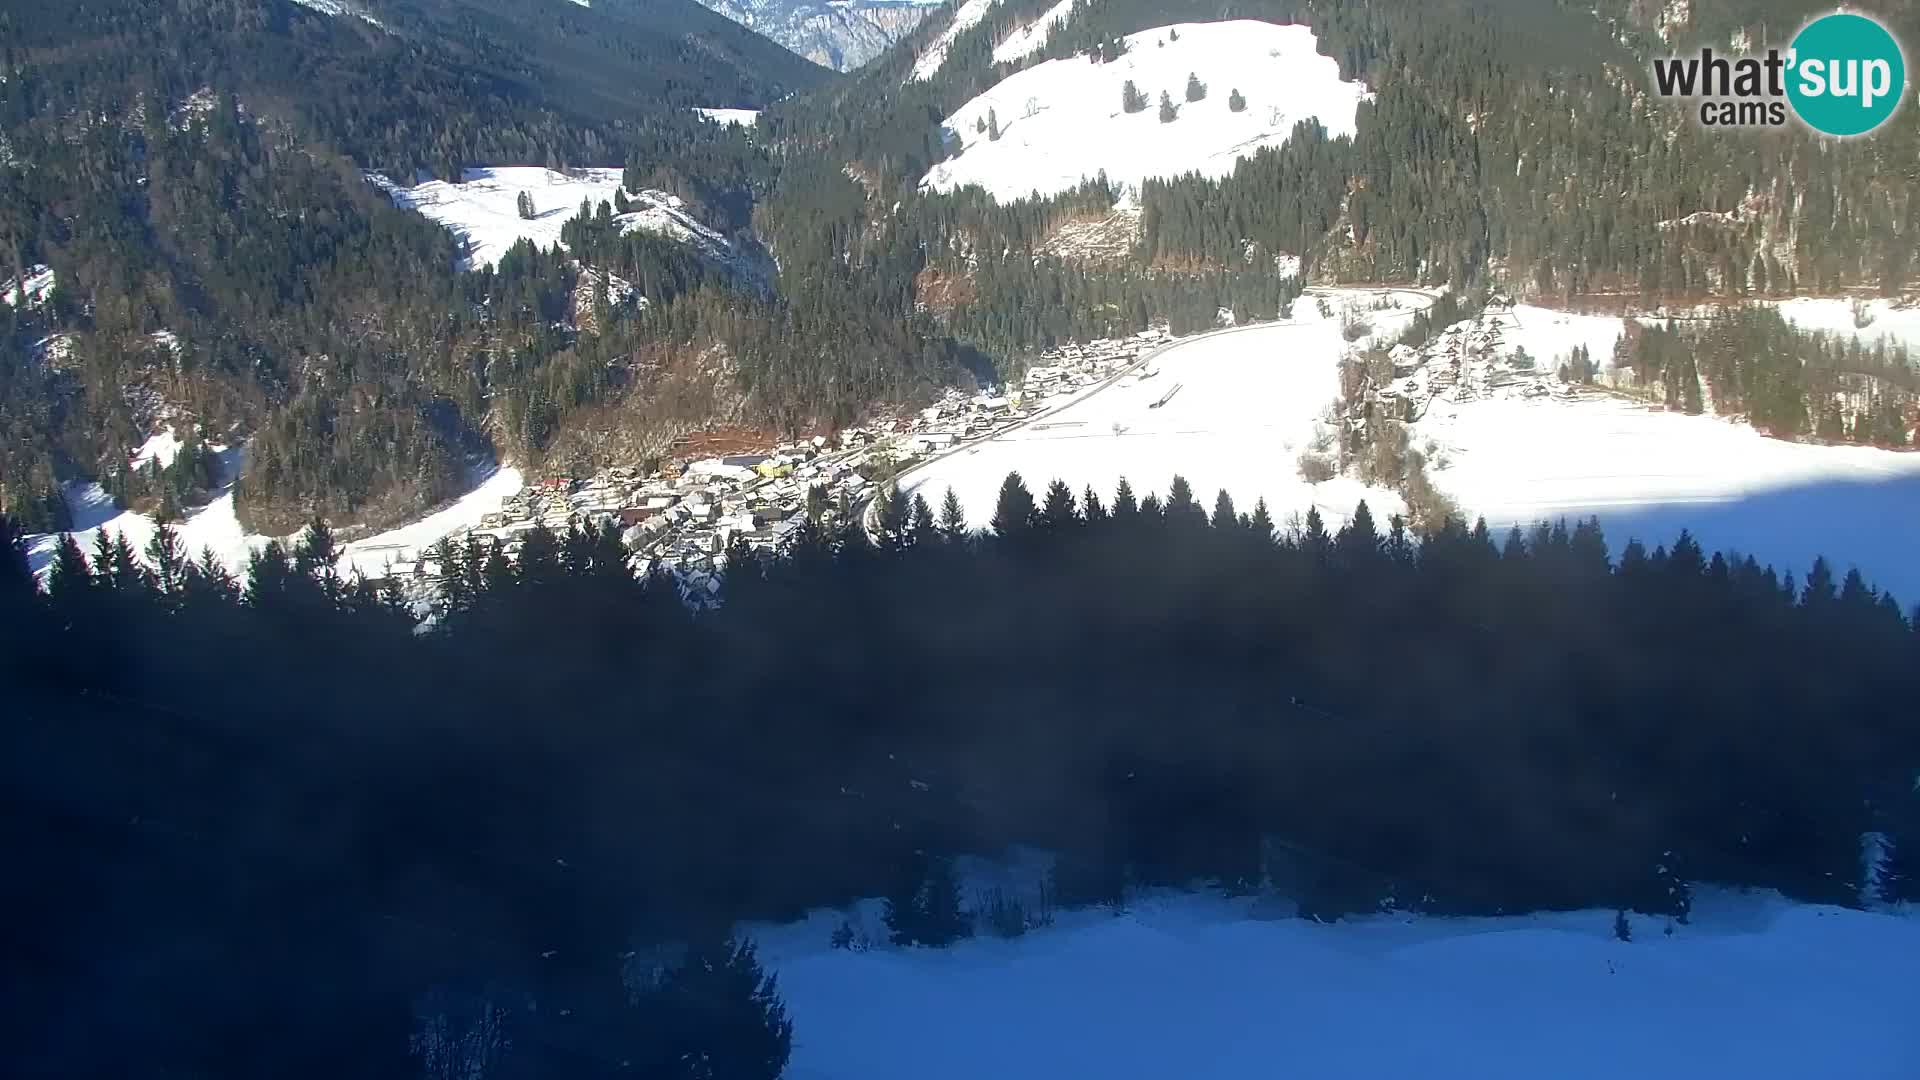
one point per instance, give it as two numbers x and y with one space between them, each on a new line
252 826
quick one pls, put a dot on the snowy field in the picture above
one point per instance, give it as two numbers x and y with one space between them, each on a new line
1061 121
1649 474
483 209
215 527
1196 987
1887 320
1246 408
737 117
1249 399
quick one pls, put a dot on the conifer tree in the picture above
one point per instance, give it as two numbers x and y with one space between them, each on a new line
1236 102
718 1016
69 579
1058 512
1013 513
1090 506
953 520
1168 114
1196 90
993 126
1125 509
925 530
168 558
1260 525
1131 99
1225 520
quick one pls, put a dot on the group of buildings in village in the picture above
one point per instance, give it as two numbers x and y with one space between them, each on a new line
684 517
1467 362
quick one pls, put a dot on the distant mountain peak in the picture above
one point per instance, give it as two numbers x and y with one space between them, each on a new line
840 34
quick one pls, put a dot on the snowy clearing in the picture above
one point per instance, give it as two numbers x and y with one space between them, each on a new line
212 527
1247 404
1062 121
931 61
216 527
36 284
403 545
1032 37
1201 987
738 117
1885 319
483 209
162 446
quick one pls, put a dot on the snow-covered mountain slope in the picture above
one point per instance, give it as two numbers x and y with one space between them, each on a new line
1032 37
840 34
965 18
1062 121
483 209
1205 988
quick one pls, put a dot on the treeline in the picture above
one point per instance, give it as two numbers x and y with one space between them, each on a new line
1752 362
328 816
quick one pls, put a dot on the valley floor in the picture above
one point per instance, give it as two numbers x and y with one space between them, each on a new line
1202 987
1248 402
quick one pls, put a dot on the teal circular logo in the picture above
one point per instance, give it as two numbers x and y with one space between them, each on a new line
1847 74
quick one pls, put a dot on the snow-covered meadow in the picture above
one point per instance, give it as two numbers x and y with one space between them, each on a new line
1061 121
483 209
1249 399
1203 987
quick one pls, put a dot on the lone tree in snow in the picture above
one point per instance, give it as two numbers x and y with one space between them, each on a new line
1236 102
980 125
1168 114
1196 90
1131 99
993 126
524 203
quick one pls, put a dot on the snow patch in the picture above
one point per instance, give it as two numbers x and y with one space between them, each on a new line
162 446
935 58
35 284
403 546
1033 37
483 209
738 117
1062 121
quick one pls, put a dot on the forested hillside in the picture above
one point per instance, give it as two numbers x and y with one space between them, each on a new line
329 819
189 175
1508 141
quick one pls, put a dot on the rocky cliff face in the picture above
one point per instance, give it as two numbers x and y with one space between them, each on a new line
841 36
